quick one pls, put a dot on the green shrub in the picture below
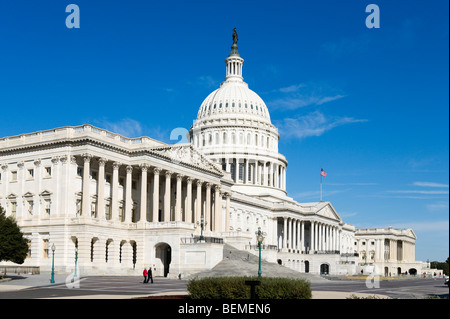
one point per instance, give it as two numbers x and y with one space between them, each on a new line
235 288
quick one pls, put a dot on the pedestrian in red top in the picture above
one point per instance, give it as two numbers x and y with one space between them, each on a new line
145 276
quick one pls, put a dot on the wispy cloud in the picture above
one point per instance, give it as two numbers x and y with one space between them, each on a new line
313 124
126 127
429 184
422 192
301 95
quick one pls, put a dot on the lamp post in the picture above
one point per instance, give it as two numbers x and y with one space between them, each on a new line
52 280
76 259
202 224
259 238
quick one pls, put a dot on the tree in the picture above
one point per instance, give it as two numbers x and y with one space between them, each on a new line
13 246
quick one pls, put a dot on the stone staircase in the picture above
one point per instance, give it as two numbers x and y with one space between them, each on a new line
242 263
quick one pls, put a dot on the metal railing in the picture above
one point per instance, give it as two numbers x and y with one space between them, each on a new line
197 239
263 247
34 270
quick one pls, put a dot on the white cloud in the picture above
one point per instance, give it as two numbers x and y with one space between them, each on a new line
313 124
422 192
297 101
126 127
429 184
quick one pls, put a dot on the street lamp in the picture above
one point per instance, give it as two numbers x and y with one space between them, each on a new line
202 224
76 259
259 238
53 265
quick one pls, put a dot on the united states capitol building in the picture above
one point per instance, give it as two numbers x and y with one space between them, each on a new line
110 204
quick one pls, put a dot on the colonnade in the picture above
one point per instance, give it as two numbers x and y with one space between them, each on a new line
255 172
321 237
207 201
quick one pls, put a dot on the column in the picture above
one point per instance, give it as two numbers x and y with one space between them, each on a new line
302 246
115 192
217 209
198 202
86 202
236 171
245 177
284 233
277 176
208 206
188 213
101 189
227 210
178 199
128 198
294 234
257 177
155 217
167 197
143 197
312 244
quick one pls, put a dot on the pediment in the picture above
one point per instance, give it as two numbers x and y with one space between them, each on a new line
45 193
187 154
11 196
327 210
28 194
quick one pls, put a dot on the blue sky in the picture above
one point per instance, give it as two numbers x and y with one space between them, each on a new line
370 106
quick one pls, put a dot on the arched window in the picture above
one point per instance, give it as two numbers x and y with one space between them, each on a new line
217 138
225 138
248 138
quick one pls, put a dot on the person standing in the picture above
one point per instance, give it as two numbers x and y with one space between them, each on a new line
145 273
150 276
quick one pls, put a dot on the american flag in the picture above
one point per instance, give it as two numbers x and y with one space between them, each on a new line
323 173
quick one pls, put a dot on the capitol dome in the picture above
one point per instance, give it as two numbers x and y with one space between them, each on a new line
233 129
234 98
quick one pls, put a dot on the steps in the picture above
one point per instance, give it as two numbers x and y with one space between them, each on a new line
242 263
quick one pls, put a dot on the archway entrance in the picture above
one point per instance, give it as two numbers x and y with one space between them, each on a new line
306 266
324 269
386 271
412 271
163 254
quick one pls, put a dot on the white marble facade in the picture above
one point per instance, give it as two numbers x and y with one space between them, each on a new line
120 204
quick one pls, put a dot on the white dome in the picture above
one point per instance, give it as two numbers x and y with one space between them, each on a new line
234 99
233 129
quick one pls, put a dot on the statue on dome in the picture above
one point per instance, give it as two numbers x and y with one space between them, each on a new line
235 36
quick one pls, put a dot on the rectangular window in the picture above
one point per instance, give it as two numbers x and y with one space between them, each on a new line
108 178
13 209
47 207
30 208
45 248
108 211
79 171
48 172
30 173
13 176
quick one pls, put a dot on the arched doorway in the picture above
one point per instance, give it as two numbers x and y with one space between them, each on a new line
324 269
163 254
386 271
412 271
306 266
399 271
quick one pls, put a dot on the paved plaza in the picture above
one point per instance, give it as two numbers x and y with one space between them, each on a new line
127 287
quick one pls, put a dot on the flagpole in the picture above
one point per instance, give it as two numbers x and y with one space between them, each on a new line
320 187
